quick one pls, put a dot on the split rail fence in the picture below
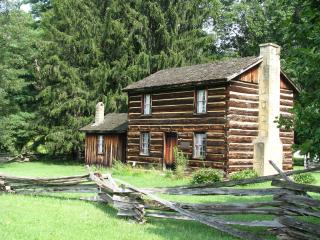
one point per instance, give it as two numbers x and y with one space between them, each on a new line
290 203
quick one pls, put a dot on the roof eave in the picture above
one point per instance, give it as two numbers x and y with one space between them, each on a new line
296 87
233 76
177 85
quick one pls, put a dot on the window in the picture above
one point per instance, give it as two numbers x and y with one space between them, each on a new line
147 104
199 146
201 97
144 143
100 144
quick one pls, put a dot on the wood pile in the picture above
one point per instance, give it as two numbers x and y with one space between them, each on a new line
291 201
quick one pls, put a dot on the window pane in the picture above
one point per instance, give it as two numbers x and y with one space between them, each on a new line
144 145
147 104
201 101
199 145
100 144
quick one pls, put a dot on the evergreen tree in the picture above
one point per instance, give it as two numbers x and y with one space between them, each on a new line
92 49
17 55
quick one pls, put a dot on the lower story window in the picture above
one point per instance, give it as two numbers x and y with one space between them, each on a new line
145 143
100 144
199 146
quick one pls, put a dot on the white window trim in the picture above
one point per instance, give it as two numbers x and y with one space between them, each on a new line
201 104
100 146
145 143
147 105
199 149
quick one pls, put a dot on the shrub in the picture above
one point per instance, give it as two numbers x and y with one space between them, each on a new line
181 162
298 162
120 168
304 178
243 174
206 175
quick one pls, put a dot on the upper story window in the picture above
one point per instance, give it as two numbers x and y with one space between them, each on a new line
147 104
201 103
199 145
145 143
100 144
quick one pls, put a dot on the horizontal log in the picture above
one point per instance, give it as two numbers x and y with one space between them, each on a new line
237 132
178 128
241 125
240 139
212 222
177 115
296 186
243 105
177 216
241 89
244 84
237 96
152 121
175 101
300 210
232 183
242 112
220 191
285 91
299 225
173 95
299 200
239 118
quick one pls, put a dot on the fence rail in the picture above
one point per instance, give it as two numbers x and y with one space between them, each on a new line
290 201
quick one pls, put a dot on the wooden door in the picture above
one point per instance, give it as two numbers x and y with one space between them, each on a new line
170 143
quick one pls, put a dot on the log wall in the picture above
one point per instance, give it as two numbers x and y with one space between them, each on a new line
173 111
114 149
231 123
243 111
242 116
287 136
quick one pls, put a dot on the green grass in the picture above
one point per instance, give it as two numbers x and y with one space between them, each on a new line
63 216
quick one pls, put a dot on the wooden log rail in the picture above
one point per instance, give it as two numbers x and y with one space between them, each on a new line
290 200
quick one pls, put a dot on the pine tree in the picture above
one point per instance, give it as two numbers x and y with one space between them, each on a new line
17 87
93 49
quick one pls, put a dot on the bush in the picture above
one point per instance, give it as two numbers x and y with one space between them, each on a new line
181 162
304 178
298 162
120 168
243 174
206 175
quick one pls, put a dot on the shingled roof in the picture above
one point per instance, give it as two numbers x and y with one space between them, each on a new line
112 123
195 74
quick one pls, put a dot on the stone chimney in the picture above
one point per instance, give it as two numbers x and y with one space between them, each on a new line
99 113
268 145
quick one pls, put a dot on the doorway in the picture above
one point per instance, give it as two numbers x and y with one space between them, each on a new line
171 140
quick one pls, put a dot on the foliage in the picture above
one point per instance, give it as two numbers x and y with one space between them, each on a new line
304 178
298 162
18 44
181 162
206 175
243 174
304 58
93 49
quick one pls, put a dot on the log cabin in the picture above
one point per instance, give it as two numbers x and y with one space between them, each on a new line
106 138
221 115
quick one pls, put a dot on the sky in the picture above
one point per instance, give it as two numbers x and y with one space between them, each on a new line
25 7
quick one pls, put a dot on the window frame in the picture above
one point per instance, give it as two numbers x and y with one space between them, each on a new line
204 146
143 104
102 145
142 143
196 94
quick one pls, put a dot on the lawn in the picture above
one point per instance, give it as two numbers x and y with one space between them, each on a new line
63 216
